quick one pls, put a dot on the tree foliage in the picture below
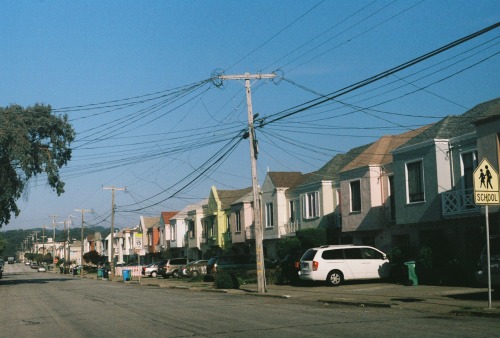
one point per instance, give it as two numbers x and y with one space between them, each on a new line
32 141
93 257
3 245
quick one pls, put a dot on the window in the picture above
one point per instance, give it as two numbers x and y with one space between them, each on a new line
469 164
291 211
310 205
333 254
238 221
352 253
173 232
415 182
369 253
392 199
228 222
269 215
355 187
191 229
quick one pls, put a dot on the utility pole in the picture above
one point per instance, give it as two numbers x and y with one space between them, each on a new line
54 225
81 246
36 241
259 234
43 240
112 253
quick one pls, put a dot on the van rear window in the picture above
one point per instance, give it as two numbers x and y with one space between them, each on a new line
309 255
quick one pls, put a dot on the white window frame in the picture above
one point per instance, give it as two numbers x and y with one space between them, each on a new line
173 232
269 215
351 195
462 166
308 211
237 215
292 210
421 161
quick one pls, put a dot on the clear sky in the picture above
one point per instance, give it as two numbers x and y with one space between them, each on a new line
134 79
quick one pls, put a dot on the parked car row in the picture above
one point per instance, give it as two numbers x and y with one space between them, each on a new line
332 264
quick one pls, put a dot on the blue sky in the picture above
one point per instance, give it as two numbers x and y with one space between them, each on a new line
133 77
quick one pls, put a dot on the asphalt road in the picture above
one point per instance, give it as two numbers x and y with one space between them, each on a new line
43 304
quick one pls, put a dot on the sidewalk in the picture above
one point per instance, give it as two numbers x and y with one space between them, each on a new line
439 300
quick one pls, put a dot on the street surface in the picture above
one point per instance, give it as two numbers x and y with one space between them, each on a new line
44 304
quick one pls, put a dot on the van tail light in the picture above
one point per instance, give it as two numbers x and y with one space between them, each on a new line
297 265
315 265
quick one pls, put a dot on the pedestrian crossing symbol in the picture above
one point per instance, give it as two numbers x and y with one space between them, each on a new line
486 184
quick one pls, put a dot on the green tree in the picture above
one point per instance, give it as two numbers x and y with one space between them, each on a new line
93 257
32 141
3 245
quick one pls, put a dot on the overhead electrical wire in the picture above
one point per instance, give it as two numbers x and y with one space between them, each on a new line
316 102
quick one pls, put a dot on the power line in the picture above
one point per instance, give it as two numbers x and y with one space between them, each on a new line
363 83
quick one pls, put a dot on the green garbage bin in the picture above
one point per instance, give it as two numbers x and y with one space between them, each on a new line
99 272
412 275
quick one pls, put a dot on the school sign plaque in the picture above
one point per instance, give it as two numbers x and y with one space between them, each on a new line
486 184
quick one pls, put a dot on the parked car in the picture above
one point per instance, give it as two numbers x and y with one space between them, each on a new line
338 263
196 268
34 265
212 265
42 268
290 267
482 273
172 267
150 270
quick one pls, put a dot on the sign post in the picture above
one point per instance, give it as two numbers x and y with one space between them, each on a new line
486 193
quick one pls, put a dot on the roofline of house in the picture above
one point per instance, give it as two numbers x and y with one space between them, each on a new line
418 145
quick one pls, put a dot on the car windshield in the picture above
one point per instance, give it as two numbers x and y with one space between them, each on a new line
212 260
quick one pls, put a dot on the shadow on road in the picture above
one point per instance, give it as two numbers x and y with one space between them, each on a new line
6 281
483 295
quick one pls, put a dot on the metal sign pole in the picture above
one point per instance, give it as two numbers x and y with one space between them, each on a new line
488 255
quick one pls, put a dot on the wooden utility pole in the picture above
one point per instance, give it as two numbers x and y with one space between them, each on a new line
259 234
81 238
112 253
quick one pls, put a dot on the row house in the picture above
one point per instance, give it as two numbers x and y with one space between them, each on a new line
194 221
240 238
216 234
434 205
367 192
179 233
164 230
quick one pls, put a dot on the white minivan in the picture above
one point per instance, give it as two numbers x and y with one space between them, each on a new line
338 263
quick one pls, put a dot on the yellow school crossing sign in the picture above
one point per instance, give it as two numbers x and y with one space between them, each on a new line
486 184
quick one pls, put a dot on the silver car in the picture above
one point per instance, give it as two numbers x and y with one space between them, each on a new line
150 270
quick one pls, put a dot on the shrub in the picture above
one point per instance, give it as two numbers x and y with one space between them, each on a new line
225 280
310 238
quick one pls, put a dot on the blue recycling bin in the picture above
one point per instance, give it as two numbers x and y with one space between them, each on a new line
126 275
99 272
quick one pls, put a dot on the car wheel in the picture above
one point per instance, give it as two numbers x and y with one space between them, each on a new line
175 274
335 278
154 274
